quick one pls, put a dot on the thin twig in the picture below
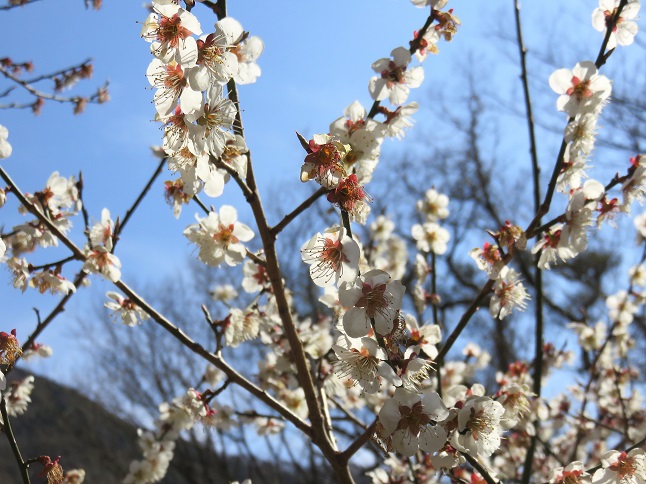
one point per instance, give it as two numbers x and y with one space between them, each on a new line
11 438
359 441
479 467
538 277
278 228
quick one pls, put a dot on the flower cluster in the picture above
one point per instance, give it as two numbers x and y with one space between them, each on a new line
188 75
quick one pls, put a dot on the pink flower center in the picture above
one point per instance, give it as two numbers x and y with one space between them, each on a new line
372 299
625 466
225 235
413 418
580 89
171 31
332 253
394 74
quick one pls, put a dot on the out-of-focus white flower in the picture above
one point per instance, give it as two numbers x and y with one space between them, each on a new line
508 294
5 147
431 237
125 309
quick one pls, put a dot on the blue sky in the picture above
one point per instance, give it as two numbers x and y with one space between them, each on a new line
316 61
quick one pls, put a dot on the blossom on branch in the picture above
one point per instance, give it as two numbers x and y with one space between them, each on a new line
324 162
5 147
219 237
169 29
333 257
508 294
411 420
582 89
125 309
395 78
100 261
624 31
373 299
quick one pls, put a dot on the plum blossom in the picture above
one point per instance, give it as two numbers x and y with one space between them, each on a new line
399 120
365 362
255 277
225 292
508 294
5 147
333 257
235 153
424 338
215 62
180 134
573 473
18 396
431 237
553 247
247 49
125 309
241 326
349 196
324 161
51 281
219 237
578 215
488 258
581 133
582 90
10 349
59 195
37 350
175 195
364 137
411 421
395 78
217 115
434 207
372 299
622 467
634 188
100 261
479 426
169 29
623 32
172 87
574 169
101 233
427 43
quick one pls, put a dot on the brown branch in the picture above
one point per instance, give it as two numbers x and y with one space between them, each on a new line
538 278
479 467
216 360
359 442
278 228
12 6
11 438
139 199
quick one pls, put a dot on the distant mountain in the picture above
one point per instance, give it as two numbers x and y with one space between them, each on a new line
62 421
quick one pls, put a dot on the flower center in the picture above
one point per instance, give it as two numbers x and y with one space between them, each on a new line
171 30
225 235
